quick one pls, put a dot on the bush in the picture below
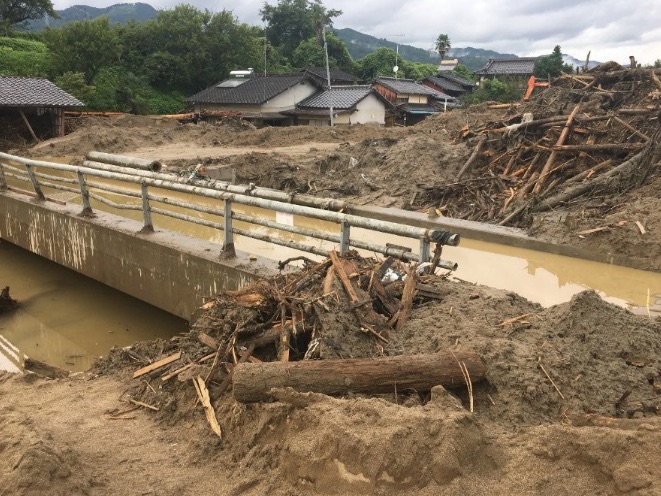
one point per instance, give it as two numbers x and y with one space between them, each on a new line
19 57
493 90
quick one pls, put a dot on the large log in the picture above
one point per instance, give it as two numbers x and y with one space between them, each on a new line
254 381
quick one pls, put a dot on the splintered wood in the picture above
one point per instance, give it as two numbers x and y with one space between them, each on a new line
572 133
312 321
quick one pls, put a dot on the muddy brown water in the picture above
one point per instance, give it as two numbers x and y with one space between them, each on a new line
69 319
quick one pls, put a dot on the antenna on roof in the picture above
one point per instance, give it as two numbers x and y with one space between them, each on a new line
395 69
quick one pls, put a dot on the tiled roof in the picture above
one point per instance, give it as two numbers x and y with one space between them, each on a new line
518 65
335 74
444 83
418 108
344 97
407 86
255 91
33 92
450 76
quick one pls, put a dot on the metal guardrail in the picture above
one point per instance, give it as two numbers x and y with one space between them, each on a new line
265 198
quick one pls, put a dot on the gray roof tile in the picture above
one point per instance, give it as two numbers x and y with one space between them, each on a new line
408 86
255 91
335 74
514 66
344 97
33 92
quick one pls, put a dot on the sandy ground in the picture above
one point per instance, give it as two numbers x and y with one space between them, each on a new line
569 406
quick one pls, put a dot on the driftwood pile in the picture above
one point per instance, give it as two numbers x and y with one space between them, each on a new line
585 137
329 328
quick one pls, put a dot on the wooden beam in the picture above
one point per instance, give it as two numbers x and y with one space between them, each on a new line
27 123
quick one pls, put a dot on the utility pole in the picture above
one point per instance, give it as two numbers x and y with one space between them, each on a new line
330 92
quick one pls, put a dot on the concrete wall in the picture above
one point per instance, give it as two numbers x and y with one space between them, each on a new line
169 270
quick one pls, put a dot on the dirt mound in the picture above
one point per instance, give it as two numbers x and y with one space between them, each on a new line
551 372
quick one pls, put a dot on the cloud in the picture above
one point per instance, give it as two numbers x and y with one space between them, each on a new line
611 29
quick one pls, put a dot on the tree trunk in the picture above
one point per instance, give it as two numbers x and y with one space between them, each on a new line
254 381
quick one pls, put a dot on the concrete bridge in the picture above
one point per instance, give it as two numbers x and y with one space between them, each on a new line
170 270
176 272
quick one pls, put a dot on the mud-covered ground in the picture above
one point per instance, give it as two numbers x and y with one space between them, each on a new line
569 405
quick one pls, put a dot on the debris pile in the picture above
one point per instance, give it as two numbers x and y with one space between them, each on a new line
337 326
586 137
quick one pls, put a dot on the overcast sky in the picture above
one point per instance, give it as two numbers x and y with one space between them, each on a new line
610 29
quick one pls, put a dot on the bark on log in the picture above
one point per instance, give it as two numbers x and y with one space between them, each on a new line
551 159
602 147
253 382
630 173
469 163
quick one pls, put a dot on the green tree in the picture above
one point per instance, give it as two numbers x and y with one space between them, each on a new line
381 62
19 57
292 21
13 12
493 90
74 83
84 46
552 65
310 53
657 63
463 72
443 44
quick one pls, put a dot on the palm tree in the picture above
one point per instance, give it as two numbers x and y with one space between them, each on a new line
443 44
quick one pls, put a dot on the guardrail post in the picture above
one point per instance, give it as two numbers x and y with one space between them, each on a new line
228 245
146 210
424 249
345 237
87 208
3 181
35 183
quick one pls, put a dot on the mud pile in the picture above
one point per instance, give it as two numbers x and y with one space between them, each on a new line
550 373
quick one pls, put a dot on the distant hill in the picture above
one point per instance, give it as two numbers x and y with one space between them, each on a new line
360 44
119 13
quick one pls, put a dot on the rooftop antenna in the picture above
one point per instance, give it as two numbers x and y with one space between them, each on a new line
395 69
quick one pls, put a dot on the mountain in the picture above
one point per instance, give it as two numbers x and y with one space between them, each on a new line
360 44
119 13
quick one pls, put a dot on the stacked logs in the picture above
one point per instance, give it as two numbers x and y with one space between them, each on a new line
592 130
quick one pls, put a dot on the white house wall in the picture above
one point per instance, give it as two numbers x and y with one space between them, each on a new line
370 110
288 99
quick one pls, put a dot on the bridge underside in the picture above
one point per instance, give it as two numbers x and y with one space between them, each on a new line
169 270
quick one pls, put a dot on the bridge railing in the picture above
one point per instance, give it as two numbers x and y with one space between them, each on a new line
35 173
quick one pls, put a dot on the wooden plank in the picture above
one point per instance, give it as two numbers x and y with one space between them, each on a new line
157 365
407 299
204 338
203 395
339 270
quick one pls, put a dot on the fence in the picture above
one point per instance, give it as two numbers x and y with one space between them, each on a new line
229 194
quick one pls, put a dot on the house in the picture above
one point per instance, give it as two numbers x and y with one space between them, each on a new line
448 65
413 100
449 83
264 99
354 104
261 99
39 103
338 77
512 68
